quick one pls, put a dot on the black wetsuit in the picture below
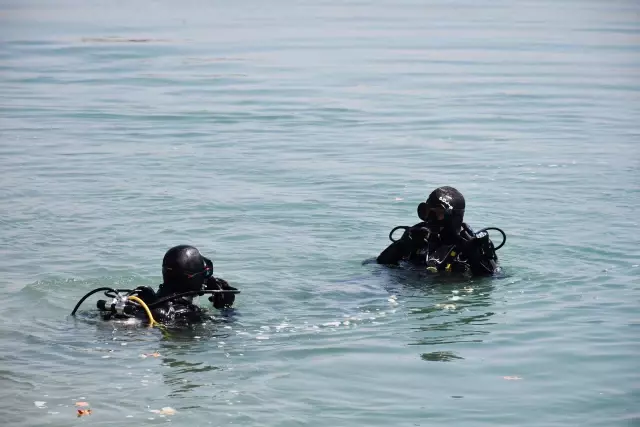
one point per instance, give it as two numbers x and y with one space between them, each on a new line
463 252
182 310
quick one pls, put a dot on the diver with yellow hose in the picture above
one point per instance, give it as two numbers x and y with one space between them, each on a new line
186 274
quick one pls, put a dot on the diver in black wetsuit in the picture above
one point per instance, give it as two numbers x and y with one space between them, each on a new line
185 273
442 242
184 269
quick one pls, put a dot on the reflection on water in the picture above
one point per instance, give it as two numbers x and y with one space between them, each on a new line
446 310
192 358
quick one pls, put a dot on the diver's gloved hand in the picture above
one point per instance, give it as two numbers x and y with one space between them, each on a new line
223 299
416 236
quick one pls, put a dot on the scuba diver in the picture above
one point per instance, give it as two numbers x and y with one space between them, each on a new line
442 242
186 274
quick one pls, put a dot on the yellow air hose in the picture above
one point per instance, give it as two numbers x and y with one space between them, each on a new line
152 321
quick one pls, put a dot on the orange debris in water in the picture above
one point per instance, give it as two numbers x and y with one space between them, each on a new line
83 412
167 410
156 354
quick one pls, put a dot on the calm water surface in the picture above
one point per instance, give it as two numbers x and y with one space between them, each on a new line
285 139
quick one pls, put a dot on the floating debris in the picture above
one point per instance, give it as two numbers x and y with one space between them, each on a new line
514 378
144 356
164 411
83 412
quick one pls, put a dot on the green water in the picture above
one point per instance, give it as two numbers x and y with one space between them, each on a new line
285 139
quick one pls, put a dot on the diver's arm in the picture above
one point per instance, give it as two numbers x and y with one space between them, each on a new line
411 239
223 299
394 253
